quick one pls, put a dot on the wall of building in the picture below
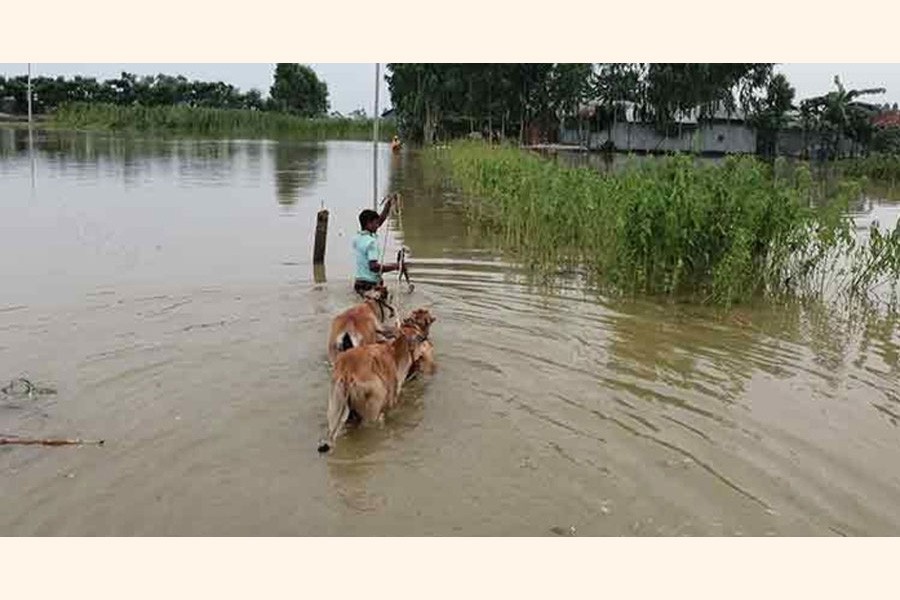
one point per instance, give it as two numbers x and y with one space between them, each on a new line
718 138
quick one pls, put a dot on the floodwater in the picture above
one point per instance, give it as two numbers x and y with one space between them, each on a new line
160 295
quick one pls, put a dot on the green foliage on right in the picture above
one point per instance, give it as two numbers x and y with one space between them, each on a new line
708 233
883 168
886 140
840 114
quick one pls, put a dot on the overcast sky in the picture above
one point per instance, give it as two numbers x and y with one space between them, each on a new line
351 86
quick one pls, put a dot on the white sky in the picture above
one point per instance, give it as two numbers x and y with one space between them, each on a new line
351 85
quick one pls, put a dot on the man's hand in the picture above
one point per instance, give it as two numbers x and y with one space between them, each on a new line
387 209
376 267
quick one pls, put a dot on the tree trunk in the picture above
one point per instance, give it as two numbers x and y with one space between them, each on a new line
429 127
609 128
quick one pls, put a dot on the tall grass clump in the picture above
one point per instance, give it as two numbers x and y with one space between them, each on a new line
884 168
212 122
712 233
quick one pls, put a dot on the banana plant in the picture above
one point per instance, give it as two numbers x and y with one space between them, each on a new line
839 114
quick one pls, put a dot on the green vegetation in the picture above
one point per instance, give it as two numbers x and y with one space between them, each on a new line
296 89
722 234
212 122
883 168
770 113
528 101
886 140
839 115
531 102
173 105
126 90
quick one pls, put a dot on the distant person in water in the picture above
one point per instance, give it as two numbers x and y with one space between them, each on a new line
365 250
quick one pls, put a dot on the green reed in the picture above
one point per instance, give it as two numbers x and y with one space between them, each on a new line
884 168
213 122
712 233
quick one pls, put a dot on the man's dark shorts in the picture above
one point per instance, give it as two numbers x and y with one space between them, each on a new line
361 286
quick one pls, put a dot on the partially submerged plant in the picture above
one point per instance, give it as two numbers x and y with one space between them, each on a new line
712 233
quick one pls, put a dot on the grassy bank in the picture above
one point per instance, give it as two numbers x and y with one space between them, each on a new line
712 233
213 122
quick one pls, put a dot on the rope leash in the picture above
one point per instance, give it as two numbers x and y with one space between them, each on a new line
384 242
404 250
401 262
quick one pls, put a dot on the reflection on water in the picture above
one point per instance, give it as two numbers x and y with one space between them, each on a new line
297 167
172 305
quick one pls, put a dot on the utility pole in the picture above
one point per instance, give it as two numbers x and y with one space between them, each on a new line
30 132
375 140
29 95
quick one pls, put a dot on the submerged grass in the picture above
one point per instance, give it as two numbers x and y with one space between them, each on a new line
723 233
212 122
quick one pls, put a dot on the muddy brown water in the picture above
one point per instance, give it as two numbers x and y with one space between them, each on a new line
163 290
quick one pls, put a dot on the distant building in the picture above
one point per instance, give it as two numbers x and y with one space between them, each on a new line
721 133
889 118
8 105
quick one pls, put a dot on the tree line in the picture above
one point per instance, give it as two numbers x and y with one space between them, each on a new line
530 101
295 89
535 97
524 101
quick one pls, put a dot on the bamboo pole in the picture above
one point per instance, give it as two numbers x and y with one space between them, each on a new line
4 441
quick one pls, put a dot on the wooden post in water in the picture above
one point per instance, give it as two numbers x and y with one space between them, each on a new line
321 237
319 274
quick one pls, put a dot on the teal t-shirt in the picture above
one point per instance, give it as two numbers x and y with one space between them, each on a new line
365 248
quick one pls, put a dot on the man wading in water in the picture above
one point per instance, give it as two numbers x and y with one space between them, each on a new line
365 250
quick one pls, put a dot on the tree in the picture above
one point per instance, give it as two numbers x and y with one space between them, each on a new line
570 85
838 114
452 98
126 90
253 100
769 113
297 89
615 84
886 140
671 89
417 94
536 97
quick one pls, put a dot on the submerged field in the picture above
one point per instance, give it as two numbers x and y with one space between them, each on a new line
721 233
164 290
